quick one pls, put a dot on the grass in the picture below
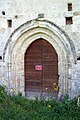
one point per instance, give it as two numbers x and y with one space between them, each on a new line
16 107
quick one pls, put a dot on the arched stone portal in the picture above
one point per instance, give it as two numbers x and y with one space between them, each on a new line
23 37
41 70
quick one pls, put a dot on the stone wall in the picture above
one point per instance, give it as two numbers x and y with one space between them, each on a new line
47 19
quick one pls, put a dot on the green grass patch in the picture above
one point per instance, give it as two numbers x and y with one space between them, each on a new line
16 107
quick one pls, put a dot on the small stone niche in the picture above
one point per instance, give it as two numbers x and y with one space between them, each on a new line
78 58
0 58
9 22
69 6
16 16
41 15
3 12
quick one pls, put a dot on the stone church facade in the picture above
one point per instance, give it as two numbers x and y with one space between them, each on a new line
49 25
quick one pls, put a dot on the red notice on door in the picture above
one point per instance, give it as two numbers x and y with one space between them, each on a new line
38 67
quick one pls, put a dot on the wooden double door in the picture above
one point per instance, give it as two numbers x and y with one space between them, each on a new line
41 69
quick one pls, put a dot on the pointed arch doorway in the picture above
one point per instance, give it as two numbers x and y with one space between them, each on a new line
41 69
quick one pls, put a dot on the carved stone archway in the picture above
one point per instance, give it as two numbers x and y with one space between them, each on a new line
23 36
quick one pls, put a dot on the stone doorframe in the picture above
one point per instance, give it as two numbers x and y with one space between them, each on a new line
20 40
